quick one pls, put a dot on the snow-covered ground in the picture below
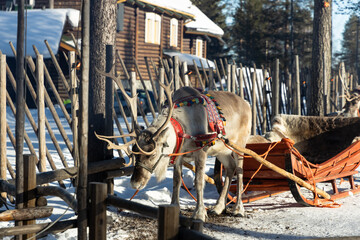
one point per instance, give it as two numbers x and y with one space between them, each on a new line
277 217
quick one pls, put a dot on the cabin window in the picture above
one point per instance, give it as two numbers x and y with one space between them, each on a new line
174 32
152 28
120 17
199 48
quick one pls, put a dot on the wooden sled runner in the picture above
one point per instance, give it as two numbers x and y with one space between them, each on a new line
283 154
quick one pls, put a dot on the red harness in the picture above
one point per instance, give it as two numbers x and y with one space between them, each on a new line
179 138
199 140
215 119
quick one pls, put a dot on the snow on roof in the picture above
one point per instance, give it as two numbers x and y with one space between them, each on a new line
189 58
201 23
41 25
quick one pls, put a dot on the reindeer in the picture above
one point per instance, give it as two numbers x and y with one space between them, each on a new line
153 146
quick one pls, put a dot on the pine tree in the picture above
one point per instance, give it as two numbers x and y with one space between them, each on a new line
350 42
261 31
214 9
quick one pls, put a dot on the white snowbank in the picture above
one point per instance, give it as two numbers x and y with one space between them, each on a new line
40 25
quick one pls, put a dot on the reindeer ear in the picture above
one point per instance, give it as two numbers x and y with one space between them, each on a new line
162 135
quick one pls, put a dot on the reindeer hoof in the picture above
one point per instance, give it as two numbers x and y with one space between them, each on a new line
239 213
217 210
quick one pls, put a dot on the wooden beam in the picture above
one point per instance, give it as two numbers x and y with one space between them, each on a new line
26 214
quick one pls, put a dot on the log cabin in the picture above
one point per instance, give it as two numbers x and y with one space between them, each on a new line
153 29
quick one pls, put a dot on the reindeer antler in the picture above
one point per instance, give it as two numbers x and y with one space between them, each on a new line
131 101
111 145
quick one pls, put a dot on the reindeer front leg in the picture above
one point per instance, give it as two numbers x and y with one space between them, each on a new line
200 159
239 206
176 182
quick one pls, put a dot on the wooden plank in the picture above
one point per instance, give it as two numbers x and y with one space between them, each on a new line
168 222
41 112
3 159
97 214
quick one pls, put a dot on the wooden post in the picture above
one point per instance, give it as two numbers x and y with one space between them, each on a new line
41 112
197 225
161 90
342 85
241 81
176 72
253 98
263 106
74 95
29 187
233 79
97 213
336 93
20 104
229 78
168 222
276 90
3 161
297 84
185 75
84 122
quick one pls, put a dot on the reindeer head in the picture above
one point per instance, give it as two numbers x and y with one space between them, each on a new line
148 145
151 157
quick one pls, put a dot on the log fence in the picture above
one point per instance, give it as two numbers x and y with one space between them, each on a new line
269 91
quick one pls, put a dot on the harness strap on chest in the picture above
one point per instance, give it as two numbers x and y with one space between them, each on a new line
179 138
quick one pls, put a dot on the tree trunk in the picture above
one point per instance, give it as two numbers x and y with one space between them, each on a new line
321 57
102 33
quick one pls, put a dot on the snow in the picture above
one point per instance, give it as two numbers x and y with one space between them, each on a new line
201 23
40 25
276 217
188 58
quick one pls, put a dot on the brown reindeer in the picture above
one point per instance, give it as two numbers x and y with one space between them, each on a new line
153 145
